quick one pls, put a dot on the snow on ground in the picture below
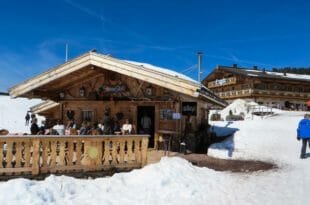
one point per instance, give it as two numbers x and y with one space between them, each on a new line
13 112
175 181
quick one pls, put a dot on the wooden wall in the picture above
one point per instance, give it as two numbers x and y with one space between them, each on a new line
122 94
129 110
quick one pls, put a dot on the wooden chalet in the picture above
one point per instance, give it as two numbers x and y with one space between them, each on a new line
91 83
278 90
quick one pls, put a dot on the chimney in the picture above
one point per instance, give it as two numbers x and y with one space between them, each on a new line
235 66
255 67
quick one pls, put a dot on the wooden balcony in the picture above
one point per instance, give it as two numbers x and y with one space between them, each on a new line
281 94
235 93
28 155
266 93
222 82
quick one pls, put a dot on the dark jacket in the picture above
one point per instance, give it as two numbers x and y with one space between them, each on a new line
108 125
303 130
34 129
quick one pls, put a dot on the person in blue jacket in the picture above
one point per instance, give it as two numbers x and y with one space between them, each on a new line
303 133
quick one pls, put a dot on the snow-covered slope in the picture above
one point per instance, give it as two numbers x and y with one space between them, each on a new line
13 111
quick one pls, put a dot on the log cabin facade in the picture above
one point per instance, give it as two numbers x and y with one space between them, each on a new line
87 85
272 89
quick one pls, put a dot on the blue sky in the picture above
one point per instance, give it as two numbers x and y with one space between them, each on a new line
165 33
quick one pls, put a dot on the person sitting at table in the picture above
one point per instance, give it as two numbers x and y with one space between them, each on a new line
85 128
71 124
34 129
127 127
96 130
59 127
71 128
117 127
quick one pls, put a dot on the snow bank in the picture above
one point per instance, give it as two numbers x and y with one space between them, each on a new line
13 111
237 107
242 107
171 181
262 138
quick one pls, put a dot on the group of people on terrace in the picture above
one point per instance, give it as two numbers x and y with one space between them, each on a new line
109 126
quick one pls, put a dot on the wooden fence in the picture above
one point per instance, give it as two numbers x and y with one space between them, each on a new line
43 154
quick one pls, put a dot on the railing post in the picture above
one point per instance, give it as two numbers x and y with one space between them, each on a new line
36 157
145 142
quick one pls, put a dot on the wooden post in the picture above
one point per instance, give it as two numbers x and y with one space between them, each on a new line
9 154
36 157
53 153
106 152
78 152
137 151
99 154
129 151
27 153
70 153
114 152
18 154
44 149
145 142
62 152
122 151
86 159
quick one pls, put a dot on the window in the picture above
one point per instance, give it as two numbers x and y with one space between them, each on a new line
87 115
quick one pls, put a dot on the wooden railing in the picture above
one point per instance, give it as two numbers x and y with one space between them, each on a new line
235 93
258 92
41 154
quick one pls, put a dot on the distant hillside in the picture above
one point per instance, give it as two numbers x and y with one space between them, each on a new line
3 93
305 71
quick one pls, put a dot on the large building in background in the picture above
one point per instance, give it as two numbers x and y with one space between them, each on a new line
272 89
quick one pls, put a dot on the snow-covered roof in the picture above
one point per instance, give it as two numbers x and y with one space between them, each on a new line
163 70
277 74
156 75
261 73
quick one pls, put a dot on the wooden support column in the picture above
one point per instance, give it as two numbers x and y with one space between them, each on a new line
145 142
35 157
61 114
156 125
